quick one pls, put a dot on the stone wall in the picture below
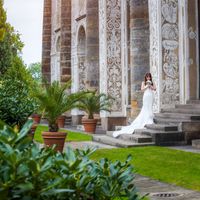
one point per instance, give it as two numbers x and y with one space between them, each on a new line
65 48
139 50
55 40
92 44
46 41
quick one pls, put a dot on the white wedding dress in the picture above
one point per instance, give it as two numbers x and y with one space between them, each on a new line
145 116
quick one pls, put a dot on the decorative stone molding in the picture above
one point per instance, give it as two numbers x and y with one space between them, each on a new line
112 65
170 53
155 48
164 51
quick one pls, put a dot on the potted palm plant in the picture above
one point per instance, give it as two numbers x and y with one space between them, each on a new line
93 103
54 100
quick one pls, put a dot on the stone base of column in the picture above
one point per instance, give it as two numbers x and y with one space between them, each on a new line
76 120
109 123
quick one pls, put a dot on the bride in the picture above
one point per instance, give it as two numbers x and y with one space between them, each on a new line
146 113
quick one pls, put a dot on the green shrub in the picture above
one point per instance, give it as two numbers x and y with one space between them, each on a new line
16 103
27 172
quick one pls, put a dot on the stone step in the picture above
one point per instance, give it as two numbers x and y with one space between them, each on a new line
169 121
105 139
188 106
137 137
166 138
181 110
178 116
161 127
196 101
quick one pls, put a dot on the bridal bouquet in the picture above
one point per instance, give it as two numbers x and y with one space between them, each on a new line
149 82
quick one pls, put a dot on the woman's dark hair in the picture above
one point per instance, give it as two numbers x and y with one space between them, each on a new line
145 78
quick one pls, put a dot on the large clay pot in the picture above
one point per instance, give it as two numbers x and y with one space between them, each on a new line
57 138
32 131
89 125
61 121
36 118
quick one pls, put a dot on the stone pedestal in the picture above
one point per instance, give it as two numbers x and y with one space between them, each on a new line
76 119
109 123
196 143
191 130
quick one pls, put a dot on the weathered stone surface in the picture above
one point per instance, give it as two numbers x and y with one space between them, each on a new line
109 123
139 46
46 41
196 143
92 44
65 48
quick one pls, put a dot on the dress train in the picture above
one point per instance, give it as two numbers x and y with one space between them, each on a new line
145 116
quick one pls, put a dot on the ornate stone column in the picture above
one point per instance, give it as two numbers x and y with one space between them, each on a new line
113 61
92 44
165 51
65 49
46 41
139 50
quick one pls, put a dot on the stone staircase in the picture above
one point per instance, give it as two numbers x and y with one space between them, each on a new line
174 126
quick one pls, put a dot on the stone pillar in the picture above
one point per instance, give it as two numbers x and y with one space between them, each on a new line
193 48
92 44
46 41
65 49
165 51
139 50
113 60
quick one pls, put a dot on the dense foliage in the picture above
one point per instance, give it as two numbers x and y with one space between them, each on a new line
94 103
2 20
10 43
27 172
54 100
35 71
16 101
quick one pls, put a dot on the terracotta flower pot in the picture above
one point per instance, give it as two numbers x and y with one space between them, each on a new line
32 131
61 121
36 118
89 125
57 138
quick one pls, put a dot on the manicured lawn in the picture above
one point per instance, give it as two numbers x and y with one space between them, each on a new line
71 136
164 164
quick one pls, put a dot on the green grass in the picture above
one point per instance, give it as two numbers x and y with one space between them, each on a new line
164 164
71 136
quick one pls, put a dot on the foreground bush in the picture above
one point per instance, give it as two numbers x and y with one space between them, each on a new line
16 101
27 172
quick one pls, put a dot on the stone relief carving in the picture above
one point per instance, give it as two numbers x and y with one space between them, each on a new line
154 48
58 13
82 74
114 71
170 37
169 11
192 34
82 5
170 31
102 46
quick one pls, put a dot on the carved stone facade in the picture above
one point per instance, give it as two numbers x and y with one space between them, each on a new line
170 53
109 45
